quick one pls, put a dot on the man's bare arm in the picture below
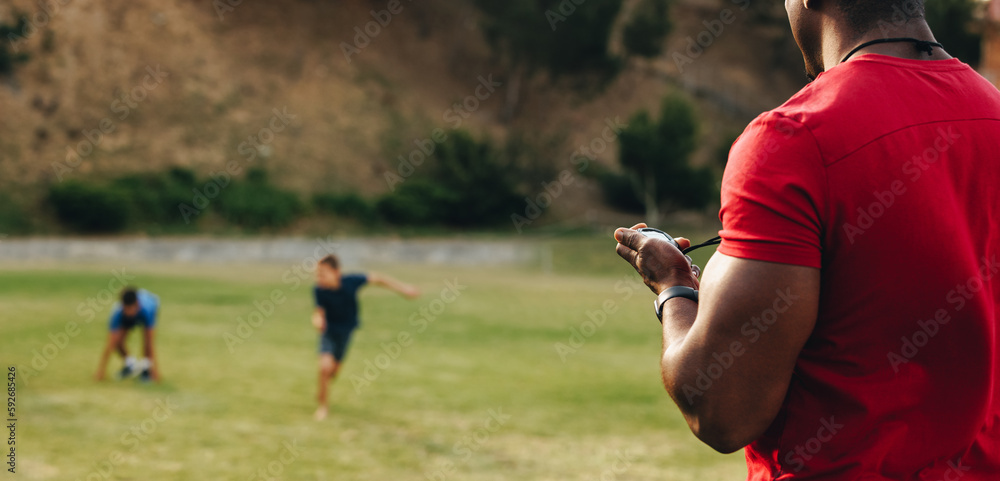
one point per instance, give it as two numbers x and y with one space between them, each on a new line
751 321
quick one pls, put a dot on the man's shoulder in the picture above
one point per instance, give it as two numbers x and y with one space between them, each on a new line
872 97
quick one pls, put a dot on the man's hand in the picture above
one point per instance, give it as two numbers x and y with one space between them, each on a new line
99 376
660 264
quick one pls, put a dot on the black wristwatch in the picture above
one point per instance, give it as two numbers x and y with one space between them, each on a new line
670 293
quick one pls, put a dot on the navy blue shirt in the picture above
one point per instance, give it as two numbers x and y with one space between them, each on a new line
341 305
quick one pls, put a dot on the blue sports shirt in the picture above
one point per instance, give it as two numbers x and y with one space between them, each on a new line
149 303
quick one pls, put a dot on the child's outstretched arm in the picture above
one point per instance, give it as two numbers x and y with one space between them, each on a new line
387 282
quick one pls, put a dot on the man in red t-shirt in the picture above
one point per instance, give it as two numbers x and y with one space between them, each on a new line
849 326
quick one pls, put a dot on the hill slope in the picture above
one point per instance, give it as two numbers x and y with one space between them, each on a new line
227 74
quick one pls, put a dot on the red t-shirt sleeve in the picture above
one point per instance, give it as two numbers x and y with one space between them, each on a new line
773 194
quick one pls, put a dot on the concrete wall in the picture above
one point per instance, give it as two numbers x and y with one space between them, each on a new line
353 252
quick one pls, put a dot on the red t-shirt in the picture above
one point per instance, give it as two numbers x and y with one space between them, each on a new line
884 173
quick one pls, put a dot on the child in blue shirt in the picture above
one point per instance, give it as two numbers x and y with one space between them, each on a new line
137 307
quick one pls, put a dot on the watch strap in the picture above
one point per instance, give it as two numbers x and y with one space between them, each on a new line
670 293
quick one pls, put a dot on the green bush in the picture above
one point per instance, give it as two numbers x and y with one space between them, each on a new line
580 43
89 208
465 183
417 202
722 150
254 203
13 218
621 193
559 36
155 198
695 188
344 205
645 32
11 34
953 23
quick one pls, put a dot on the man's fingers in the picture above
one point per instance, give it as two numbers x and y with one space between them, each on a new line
641 225
628 237
627 253
682 242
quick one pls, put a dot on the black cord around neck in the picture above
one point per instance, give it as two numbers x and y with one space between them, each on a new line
710 242
922 45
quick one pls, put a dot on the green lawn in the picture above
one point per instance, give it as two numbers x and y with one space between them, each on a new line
480 391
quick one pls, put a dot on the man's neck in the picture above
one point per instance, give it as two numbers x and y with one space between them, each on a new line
836 47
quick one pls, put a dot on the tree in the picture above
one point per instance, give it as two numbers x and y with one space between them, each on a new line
11 36
952 22
655 155
644 33
554 35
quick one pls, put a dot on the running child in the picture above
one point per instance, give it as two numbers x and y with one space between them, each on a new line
336 316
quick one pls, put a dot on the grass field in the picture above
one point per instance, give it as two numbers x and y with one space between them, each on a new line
480 391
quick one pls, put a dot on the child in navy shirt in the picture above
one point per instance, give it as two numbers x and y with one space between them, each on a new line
336 316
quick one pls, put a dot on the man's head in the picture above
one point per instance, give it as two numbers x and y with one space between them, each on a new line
328 272
130 302
851 20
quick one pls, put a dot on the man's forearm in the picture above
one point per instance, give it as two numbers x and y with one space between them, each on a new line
679 314
678 317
